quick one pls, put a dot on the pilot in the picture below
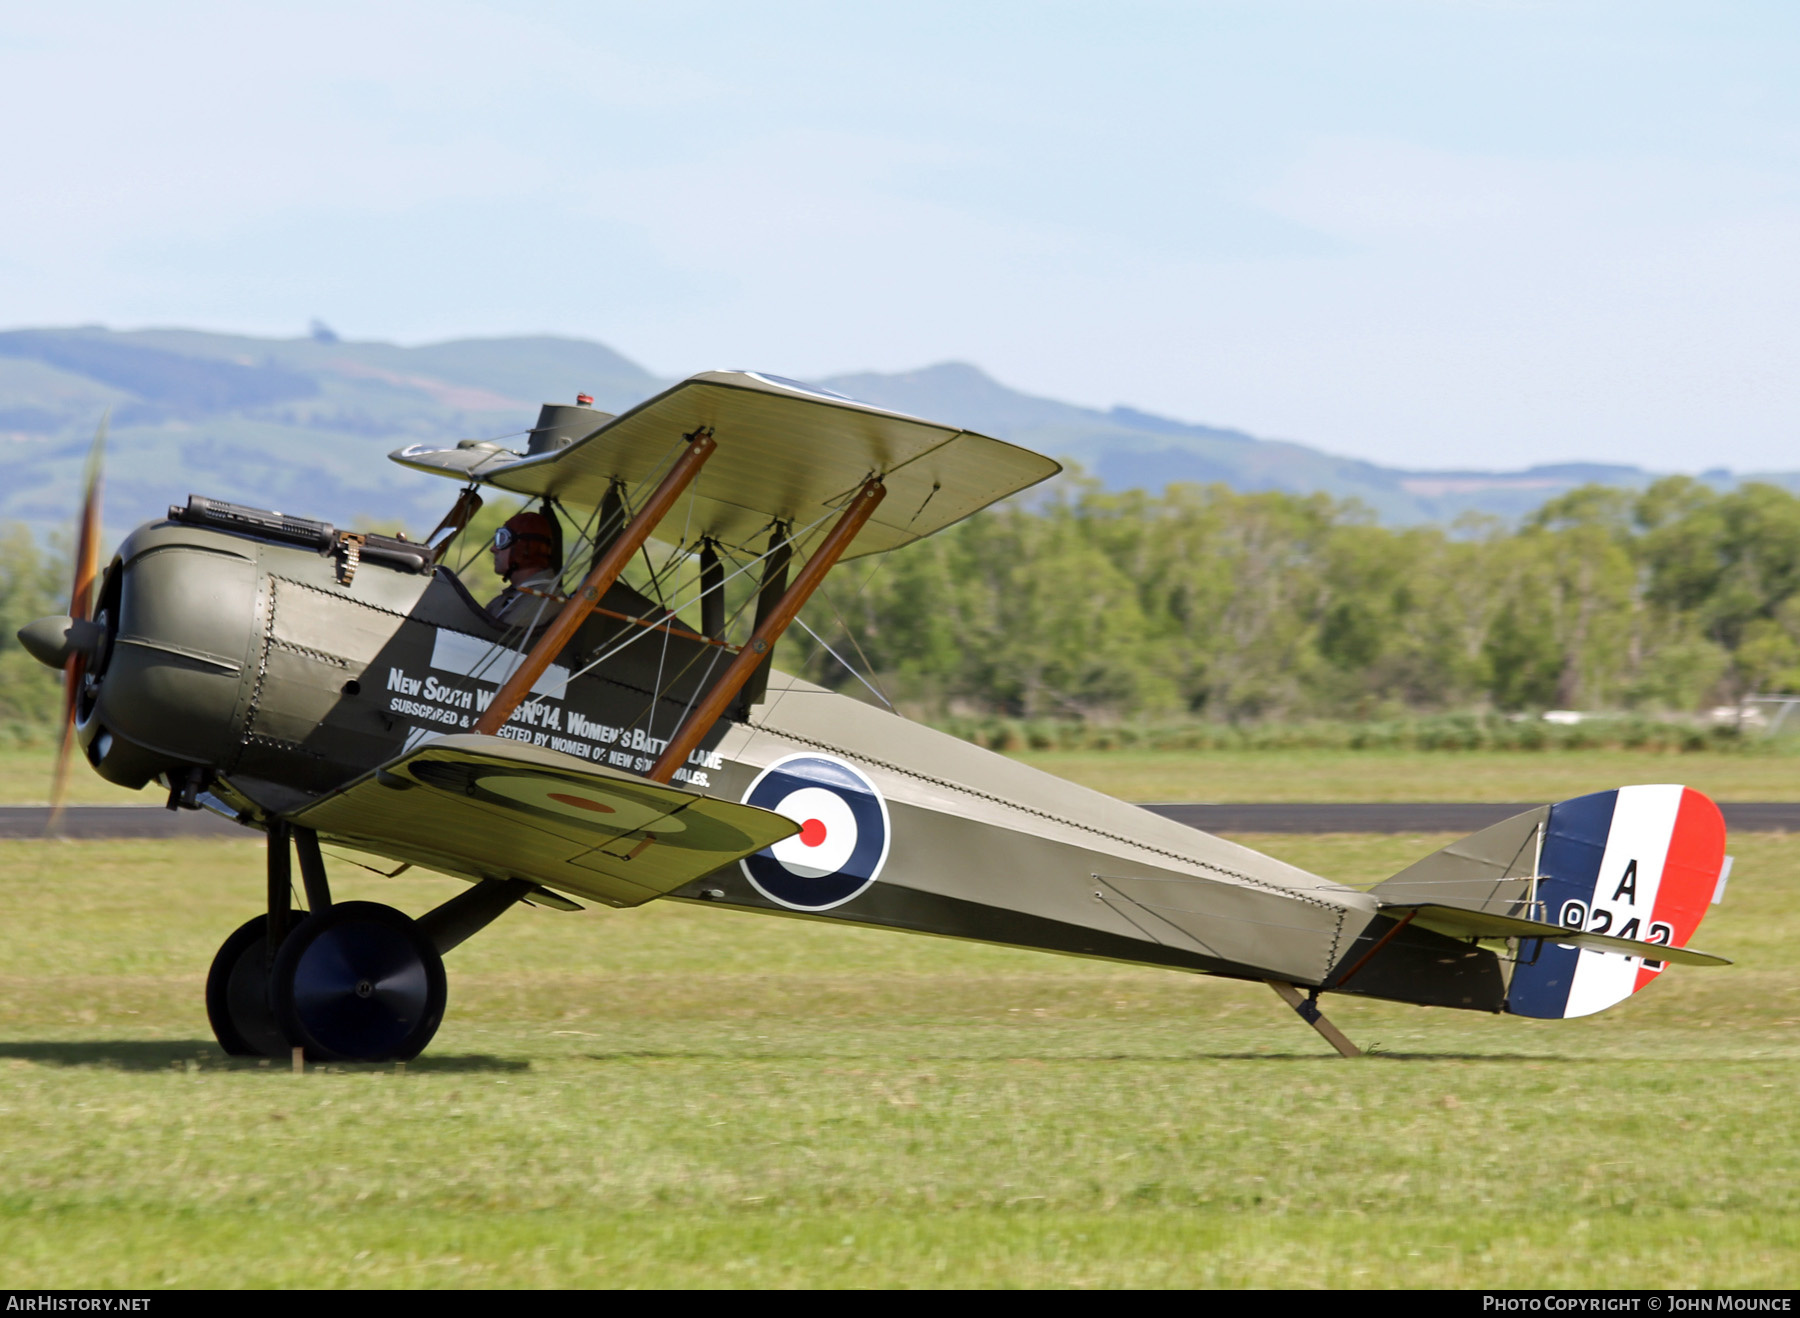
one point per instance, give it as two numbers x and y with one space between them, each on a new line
526 553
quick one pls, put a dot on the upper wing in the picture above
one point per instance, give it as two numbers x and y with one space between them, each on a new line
786 452
488 807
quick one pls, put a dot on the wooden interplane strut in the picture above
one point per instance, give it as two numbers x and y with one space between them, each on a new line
762 644
598 581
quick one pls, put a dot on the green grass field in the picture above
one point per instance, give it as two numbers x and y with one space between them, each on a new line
25 780
1303 775
1381 775
679 1096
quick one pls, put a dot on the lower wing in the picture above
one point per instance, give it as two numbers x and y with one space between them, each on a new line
488 807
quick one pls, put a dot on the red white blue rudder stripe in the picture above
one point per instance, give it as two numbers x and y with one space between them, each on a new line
1639 863
843 839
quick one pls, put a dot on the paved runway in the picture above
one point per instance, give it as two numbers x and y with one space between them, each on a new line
151 821
116 821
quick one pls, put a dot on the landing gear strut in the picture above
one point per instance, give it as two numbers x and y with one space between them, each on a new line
349 982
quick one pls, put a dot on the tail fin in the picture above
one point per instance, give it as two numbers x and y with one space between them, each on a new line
1622 872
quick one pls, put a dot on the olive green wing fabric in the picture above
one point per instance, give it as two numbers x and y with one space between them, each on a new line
489 807
787 452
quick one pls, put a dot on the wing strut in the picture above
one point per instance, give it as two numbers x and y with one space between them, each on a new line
599 580
768 631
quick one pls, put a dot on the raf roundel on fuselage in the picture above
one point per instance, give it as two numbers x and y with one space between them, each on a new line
843 839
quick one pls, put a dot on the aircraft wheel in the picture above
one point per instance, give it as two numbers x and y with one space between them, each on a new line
359 982
237 992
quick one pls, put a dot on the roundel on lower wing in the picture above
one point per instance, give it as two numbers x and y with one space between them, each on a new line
611 807
554 796
843 839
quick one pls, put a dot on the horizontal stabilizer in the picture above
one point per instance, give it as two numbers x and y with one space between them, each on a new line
1460 922
493 808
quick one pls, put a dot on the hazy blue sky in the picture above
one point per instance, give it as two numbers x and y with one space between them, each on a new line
1426 233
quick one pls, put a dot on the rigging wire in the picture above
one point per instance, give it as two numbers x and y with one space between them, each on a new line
846 664
881 563
586 533
714 654
630 633
514 632
638 632
662 657
850 634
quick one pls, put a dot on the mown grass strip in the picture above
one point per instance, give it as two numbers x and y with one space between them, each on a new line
680 1096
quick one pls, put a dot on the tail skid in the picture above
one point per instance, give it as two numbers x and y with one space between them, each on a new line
1306 1007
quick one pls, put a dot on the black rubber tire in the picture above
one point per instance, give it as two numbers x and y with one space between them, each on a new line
359 982
237 992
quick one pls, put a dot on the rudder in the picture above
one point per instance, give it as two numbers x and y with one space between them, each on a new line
1638 863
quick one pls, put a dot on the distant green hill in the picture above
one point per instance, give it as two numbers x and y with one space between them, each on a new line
1128 449
304 425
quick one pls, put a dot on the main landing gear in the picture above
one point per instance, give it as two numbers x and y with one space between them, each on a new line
347 982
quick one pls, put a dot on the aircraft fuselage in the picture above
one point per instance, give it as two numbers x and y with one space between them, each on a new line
275 674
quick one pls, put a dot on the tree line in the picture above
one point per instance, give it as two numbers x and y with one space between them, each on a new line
34 582
1203 603
1207 603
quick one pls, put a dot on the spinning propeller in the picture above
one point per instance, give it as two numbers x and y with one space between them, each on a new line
81 636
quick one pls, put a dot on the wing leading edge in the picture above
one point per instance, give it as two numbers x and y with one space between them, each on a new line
488 807
786 452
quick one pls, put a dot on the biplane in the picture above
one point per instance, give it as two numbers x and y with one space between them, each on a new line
345 693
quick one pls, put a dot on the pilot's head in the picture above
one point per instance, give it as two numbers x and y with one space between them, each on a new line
525 547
